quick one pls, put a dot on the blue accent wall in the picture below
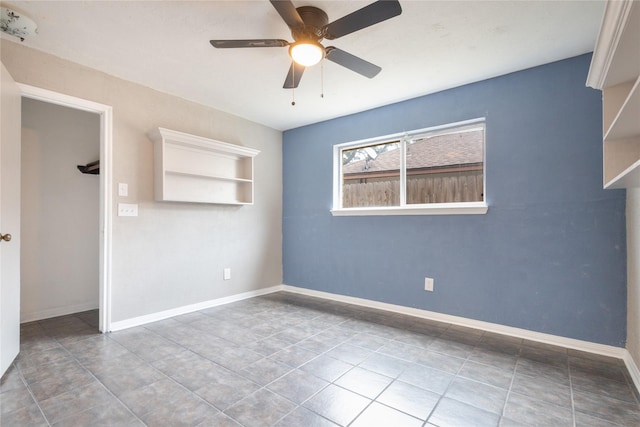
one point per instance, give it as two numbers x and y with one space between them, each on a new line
550 254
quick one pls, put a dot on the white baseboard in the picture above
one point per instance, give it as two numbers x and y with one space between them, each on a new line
602 349
586 346
161 315
634 372
57 311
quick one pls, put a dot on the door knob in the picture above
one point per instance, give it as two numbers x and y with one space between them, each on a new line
5 237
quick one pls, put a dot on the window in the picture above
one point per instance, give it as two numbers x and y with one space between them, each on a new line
430 171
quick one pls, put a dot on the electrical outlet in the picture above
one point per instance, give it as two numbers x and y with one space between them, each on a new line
127 209
226 274
428 284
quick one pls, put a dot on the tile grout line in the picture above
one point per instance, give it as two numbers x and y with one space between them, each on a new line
513 379
37 401
28 387
573 405
262 387
166 377
448 385
95 378
324 353
193 392
386 328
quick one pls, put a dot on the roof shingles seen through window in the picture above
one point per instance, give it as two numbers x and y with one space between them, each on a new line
438 151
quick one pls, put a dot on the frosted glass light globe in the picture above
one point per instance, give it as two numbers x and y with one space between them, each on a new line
306 53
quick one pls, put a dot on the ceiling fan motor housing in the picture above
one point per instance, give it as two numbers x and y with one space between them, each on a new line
314 22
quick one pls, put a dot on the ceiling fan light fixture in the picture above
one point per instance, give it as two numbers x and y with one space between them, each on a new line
309 26
306 53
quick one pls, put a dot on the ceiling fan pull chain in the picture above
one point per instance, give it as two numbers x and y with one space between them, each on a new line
322 79
293 88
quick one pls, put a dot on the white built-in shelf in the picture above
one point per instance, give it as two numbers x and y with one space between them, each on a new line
615 69
206 175
625 123
189 168
628 178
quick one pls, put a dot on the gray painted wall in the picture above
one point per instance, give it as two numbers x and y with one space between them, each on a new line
549 256
173 254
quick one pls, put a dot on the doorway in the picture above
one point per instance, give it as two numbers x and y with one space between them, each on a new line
59 211
102 198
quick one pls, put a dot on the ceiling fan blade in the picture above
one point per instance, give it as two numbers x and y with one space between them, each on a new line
225 44
362 18
352 62
294 76
288 12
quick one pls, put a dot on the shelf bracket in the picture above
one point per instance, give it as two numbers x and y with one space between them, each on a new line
92 168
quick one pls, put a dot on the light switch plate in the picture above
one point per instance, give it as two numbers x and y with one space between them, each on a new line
127 209
123 189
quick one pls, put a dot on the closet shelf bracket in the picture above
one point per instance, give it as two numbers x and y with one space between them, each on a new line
92 168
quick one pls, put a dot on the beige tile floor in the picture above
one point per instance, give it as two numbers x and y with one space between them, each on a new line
289 360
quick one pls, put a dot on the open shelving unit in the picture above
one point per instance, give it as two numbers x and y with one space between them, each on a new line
189 168
615 69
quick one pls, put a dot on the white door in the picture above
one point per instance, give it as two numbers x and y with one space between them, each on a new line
9 220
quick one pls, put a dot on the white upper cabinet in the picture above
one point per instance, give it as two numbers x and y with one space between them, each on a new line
189 168
615 69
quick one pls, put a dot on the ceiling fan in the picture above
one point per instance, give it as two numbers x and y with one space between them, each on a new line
309 25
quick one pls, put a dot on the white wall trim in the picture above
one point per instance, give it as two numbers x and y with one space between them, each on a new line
458 208
632 368
611 28
606 350
586 346
55 312
106 170
590 347
455 208
161 315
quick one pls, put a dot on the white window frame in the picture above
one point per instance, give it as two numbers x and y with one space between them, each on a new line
458 208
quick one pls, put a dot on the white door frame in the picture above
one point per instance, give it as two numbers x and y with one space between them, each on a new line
106 220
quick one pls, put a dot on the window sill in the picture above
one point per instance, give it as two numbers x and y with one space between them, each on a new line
470 208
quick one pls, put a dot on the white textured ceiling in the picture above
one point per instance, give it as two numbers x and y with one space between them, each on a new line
431 46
